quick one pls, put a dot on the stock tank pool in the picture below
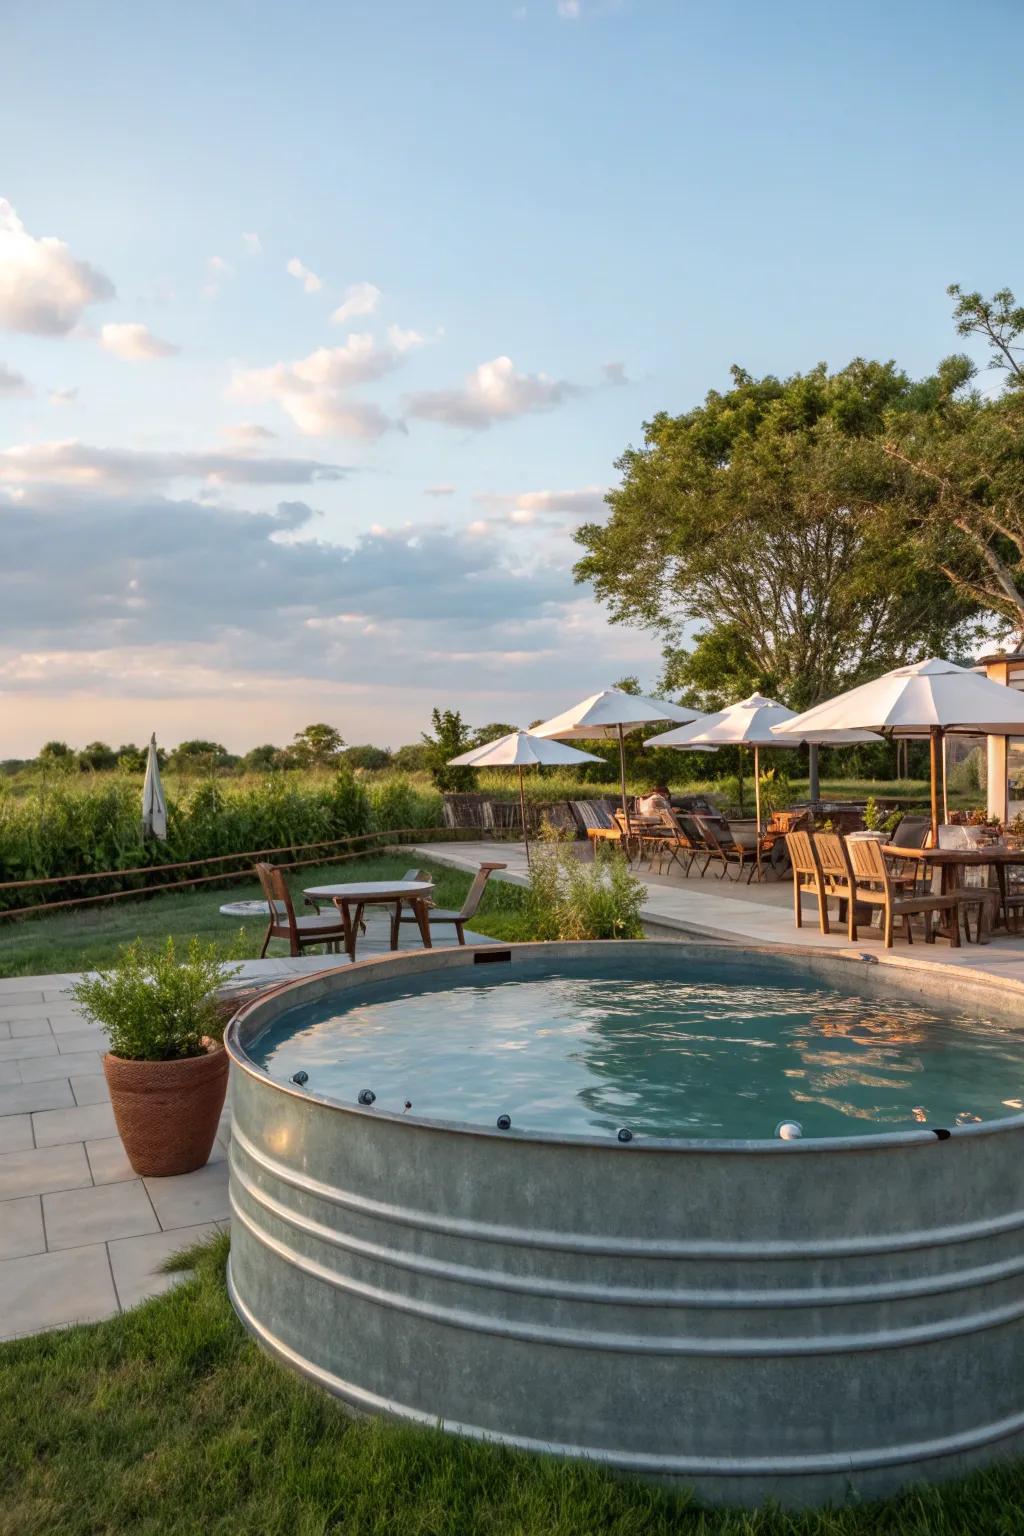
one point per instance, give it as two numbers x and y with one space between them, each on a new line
533 1194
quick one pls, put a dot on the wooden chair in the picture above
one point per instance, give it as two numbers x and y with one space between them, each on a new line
875 885
723 846
300 932
807 877
668 841
979 886
439 915
702 849
837 873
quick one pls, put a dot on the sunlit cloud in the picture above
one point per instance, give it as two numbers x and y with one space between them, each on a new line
43 288
309 280
359 299
495 391
133 342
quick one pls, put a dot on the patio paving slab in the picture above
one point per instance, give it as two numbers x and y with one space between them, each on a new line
23 1098
15 1133
90 1089
50 1290
36 1069
38 1170
108 1161
55 1127
190 1198
33 1045
21 1227
97 1214
21 1029
135 1261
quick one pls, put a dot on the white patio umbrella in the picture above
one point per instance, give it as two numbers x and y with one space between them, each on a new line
520 749
752 722
154 806
932 697
607 716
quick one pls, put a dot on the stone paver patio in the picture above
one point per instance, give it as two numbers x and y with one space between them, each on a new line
81 1236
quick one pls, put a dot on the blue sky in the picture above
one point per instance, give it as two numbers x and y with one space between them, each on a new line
226 513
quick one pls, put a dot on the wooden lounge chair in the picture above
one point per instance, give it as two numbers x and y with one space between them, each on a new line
807 877
724 846
874 884
300 932
702 849
440 915
668 841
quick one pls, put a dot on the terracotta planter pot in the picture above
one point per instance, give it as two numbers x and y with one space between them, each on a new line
167 1111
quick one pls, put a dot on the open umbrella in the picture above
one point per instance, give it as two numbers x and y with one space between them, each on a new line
932 697
154 806
519 749
753 722
608 716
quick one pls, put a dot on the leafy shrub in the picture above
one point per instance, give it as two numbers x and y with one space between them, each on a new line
776 791
155 1005
84 824
570 899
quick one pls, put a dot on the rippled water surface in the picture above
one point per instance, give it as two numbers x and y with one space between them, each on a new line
700 1052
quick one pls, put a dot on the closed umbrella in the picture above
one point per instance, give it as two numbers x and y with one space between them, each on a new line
519 749
932 697
154 806
753 722
608 716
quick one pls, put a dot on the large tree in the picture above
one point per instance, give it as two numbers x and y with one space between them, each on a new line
957 466
740 534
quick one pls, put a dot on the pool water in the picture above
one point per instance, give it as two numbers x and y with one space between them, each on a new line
704 1049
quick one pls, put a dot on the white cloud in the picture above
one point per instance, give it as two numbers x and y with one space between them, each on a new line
12 383
439 490
134 343
494 391
247 433
217 272
359 299
314 391
253 244
405 341
78 464
309 280
64 396
615 373
43 288
529 506
570 10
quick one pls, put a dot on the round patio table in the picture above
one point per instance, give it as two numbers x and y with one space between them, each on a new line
246 909
352 897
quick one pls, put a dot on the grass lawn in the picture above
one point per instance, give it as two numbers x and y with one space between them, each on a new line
169 1421
89 936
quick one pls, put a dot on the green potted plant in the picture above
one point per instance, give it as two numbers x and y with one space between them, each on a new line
167 1069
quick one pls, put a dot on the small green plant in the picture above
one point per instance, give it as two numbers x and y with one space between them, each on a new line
155 1005
1015 828
571 899
776 791
872 815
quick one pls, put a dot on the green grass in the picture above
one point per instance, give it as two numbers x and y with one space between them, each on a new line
90 936
168 1421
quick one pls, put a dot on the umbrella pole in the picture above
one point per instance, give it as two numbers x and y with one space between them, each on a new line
757 804
935 738
739 777
522 812
622 772
945 785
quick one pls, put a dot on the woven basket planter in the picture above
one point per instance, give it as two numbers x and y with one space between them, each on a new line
167 1111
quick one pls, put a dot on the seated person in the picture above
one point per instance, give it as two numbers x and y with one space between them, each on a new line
655 801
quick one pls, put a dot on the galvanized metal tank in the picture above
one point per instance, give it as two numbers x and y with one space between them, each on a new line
795 1320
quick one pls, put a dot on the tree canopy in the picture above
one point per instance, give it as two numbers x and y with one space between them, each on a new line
956 482
744 534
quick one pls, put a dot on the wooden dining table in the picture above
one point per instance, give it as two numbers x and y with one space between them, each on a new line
949 860
351 897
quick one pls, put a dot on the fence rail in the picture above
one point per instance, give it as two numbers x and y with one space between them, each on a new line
393 838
